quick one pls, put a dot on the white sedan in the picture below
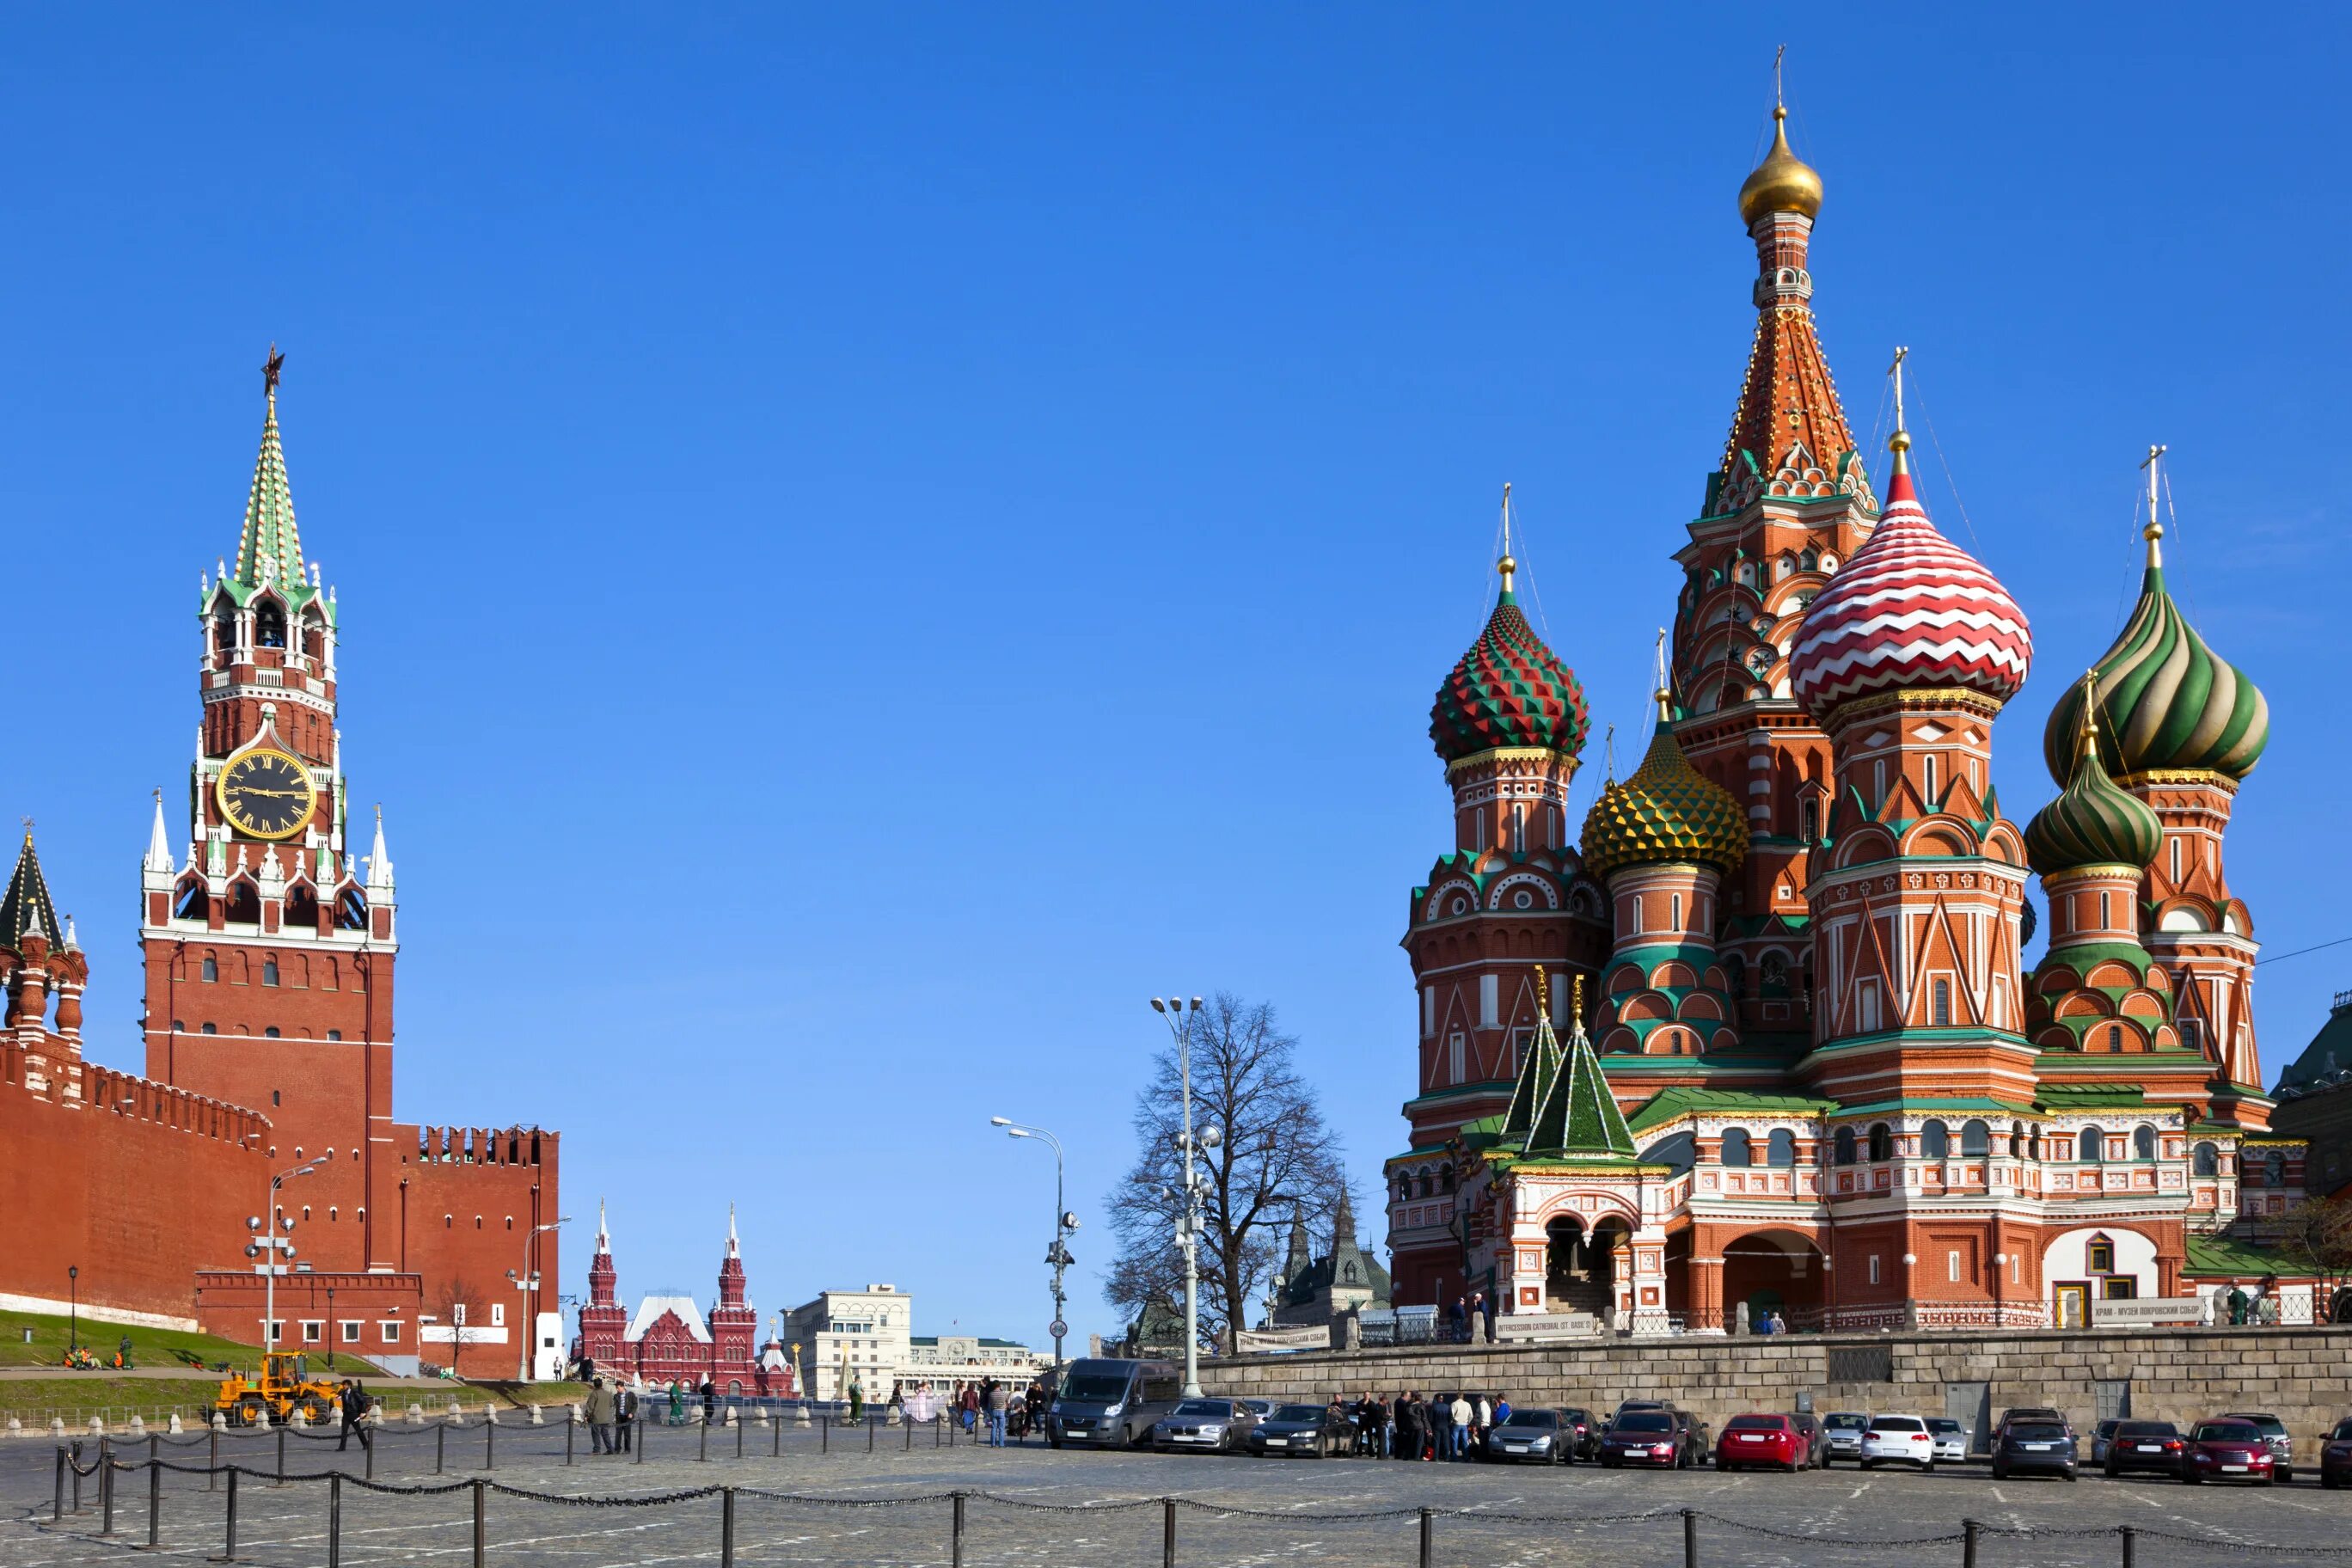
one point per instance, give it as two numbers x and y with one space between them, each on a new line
1951 1439
1898 1440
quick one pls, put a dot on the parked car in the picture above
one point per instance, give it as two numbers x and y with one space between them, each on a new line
1215 1426
2155 1445
2274 1433
1844 1430
1761 1439
1109 1402
1817 1442
2335 1456
1309 1431
1898 1440
2040 1412
1587 1427
2025 1447
2100 1434
2229 1451
1653 1435
1261 1408
1538 1435
1951 1439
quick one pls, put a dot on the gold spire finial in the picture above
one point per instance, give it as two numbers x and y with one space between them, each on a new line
1900 442
1576 1003
2090 711
1663 691
1543 991
1782 183
2154 532
1780 106
1506 566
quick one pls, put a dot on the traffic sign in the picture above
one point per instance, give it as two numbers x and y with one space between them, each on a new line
1058 1328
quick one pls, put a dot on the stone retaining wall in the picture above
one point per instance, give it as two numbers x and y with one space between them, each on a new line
2302 1374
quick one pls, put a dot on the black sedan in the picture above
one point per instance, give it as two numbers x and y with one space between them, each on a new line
1532 1437
2155 1445
2335 1456
2034 1448
1304 1431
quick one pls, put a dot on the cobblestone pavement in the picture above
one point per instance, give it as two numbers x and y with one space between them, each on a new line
825 1499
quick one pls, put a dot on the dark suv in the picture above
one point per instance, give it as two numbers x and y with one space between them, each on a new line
2026 1446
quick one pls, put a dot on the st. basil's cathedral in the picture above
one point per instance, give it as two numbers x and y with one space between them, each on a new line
1762 1040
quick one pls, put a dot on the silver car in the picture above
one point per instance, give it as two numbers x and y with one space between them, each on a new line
1203 1426
1843 1428
1951 1439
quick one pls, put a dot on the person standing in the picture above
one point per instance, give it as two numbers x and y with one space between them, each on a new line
1462 1413
1502 1410
1441 1426
600 1409
1489 1302
677 1403
1000 1399
710 1402
1457 1321
624 1418
1408 1424
1482 1416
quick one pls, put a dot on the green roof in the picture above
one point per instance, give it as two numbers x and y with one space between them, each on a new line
1561 1104
2089 1096
2229 1254
1668 1104
1978 1103
2330 1052
269 547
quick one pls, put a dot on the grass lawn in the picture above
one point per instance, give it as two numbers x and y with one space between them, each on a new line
148 1347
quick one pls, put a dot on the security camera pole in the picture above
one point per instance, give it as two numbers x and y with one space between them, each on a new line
269 1236
1057 1257
1188 1230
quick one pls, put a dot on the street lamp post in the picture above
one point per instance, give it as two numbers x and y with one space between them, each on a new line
331 1327
527 1281
73 1309
1058 1254
271 1237
1178 1015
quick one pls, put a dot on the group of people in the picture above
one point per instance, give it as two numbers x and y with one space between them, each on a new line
990 1405
1442 1426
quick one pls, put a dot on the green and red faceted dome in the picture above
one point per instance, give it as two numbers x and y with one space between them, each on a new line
1509 690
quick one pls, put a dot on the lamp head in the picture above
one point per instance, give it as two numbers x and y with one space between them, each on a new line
1157 1005
253 1222
1211 1135
1017 1132
999 1122
1196 1004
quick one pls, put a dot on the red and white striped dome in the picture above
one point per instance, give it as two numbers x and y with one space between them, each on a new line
1909 609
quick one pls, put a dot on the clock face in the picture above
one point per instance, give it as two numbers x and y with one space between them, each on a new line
267 795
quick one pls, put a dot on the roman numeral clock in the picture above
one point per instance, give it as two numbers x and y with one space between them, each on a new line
266 793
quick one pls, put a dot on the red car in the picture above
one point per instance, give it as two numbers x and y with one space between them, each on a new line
2228 1451
1762 1439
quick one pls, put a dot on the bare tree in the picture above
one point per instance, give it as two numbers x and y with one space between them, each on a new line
456 1304
2317 1233
1278 1157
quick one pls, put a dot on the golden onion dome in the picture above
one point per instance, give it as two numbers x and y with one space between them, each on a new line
1667 812
1782 183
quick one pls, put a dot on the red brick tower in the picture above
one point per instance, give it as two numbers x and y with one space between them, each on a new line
1789 501
603 1320
269 949
734 1324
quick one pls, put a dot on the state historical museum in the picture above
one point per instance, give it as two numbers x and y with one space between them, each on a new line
1810 1074
270 942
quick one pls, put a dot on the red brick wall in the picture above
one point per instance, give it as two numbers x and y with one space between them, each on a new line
470 1197
233 1304
139 1198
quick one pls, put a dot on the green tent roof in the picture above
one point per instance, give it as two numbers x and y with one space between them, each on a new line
1668 1104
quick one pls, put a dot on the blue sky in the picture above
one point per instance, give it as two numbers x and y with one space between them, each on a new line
871 539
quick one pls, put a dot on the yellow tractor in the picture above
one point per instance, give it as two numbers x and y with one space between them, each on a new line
285 1387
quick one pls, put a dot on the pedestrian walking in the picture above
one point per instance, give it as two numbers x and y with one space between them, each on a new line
355 1401
600 1409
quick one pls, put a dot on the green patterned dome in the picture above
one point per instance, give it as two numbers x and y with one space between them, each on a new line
1668 811
2167 701
2093 822
1509 690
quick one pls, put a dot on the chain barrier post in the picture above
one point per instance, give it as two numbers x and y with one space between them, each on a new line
2131 1540
1690 1538
1168 1532
703 1429
154 1505
568 1425
637 1441
105 1491
780 1432
367 1447
153 1444
738 1436
1967 1543
824 1435
480 1532
75 1466
909 1426
228 1548
440 1445
1428 1522
334 1519
955 1558
212 1459
489 1444
58 1507
725 1526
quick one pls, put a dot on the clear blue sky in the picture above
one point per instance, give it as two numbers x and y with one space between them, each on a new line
871 539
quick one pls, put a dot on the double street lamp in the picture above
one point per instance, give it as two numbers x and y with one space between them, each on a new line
526 1279
271 1237
1057 1256
1178 1015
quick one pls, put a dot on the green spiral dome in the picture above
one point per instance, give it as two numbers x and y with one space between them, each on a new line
1668 811
2094 821
2166 699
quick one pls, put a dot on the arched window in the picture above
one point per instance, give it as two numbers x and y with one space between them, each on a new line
224 632
269 625
270 1033
1845 1145
1674 913
210 1029
1737 1150
1936 1141
1786 565
2017 1140
302 908
1882 1141
2207 1160
1975 1138
244 904
2275 1168
269 970
1781 1148
1941 1014
2091 1145
2115 1038
2143 1141
212 967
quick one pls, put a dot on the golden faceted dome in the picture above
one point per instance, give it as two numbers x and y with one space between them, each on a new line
1782 183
